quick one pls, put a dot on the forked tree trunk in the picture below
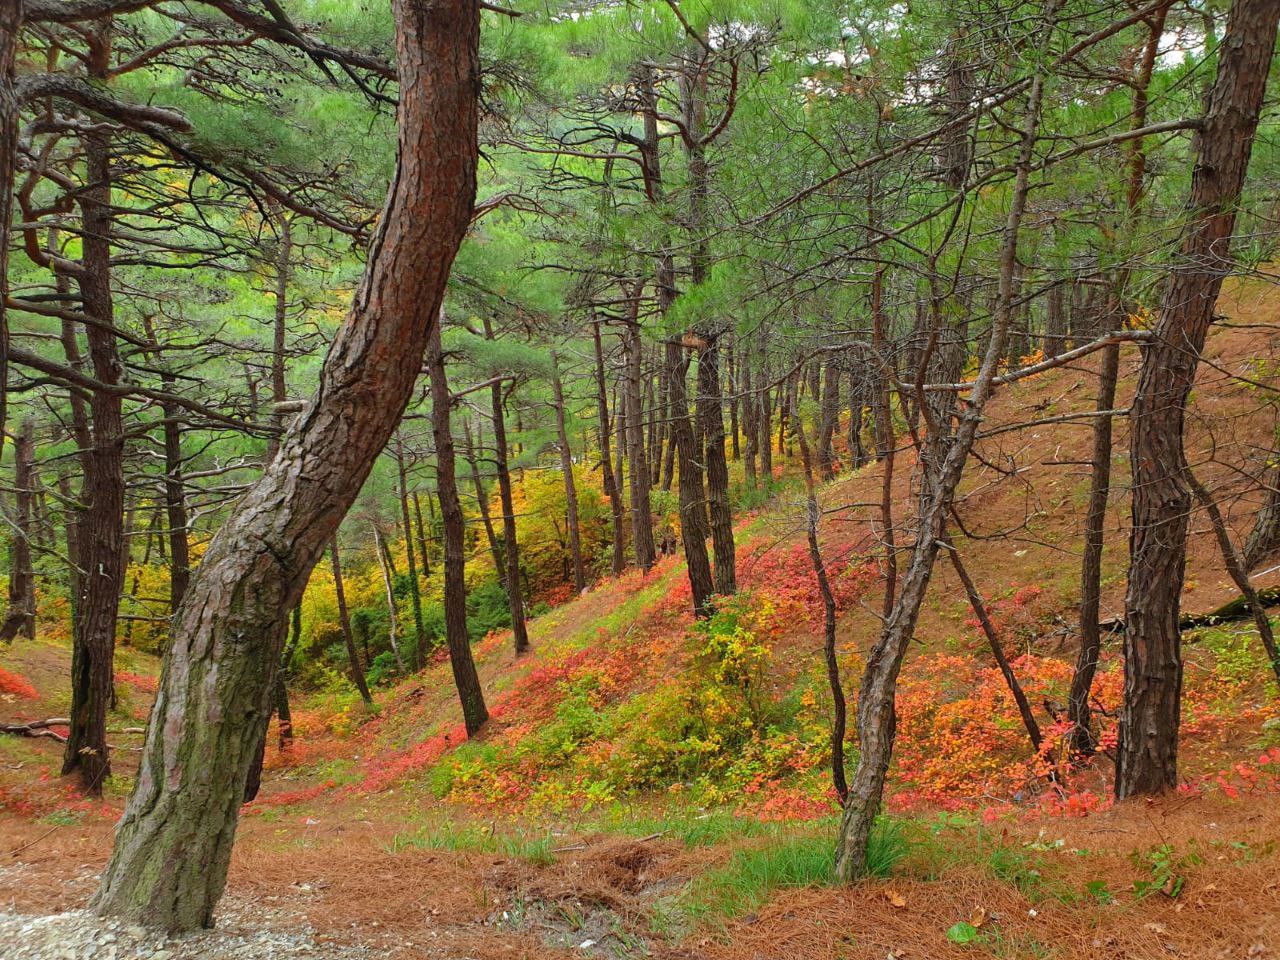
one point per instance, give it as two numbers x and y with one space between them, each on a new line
465 678
20 619
173 845
482 503
1147 754
876 714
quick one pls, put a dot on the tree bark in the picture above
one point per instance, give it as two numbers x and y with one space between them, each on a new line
173 845
1147 755
465 678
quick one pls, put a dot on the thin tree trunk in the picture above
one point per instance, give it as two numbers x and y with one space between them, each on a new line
839 720
515 589
693 514
877 717
387 566
415 592
709 405
482 501
570 488
11 15
610 480
421 530
1147 755
641 512
1235 567
20 618
101 529
465 678
344 620
993 641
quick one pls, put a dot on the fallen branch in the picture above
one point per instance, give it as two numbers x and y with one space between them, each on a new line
1233 610
37 728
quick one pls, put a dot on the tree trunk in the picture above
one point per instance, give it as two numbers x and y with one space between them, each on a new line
570 488
877 717
482 502
610 480
388 573
465 678
10 27
693 515
421 531
709 405
1147 755
1078 711
839 719
173 845
1238 573
21 616
638 466
511 548
415 591
344 620
830 414
101 529
1264 538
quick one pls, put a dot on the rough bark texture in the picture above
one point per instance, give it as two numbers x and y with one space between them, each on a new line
465 678
169 864
1147 755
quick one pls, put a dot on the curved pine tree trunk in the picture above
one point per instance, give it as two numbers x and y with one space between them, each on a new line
173 845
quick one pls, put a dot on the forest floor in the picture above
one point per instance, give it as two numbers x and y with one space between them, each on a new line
580 825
